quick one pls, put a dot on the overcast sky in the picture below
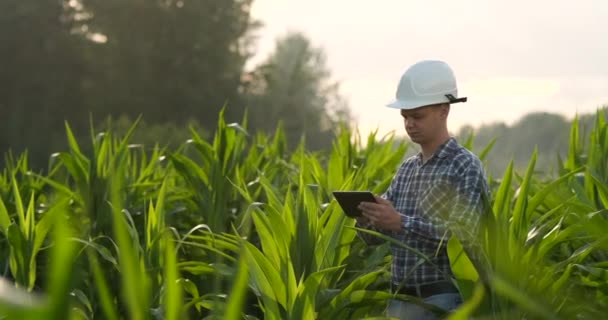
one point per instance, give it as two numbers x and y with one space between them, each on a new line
509 57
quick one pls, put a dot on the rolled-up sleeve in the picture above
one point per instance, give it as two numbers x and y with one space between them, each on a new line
464 215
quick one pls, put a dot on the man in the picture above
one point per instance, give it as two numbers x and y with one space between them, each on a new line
433 195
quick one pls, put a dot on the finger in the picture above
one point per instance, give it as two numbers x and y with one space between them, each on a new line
371 216
382 200
373 212
366 204
373 221
370 206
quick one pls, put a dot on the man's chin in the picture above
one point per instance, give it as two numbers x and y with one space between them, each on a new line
415 138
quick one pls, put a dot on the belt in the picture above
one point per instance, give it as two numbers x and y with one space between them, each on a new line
427 290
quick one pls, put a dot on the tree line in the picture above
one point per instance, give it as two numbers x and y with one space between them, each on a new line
175 63
548 132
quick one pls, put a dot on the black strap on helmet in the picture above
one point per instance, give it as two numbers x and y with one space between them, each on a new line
454 99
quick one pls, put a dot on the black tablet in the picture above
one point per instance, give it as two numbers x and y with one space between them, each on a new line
349 201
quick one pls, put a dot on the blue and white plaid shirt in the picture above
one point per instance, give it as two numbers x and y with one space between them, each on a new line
435 199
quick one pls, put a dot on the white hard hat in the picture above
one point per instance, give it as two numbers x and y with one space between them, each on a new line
425 83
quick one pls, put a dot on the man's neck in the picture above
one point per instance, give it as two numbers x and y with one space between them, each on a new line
430 148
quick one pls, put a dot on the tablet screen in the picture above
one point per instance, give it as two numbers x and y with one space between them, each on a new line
349 201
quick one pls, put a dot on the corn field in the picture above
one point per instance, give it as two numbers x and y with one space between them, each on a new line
244 228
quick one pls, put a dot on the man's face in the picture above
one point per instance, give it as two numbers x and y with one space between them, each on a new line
425 123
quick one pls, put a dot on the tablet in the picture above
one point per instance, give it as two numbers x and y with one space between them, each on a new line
349 201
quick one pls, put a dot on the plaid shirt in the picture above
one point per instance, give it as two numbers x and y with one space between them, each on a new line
435 199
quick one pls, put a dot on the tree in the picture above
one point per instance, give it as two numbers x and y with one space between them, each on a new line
293 86
545 131
169 60
40 76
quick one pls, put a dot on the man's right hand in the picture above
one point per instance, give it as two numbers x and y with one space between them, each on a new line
381 214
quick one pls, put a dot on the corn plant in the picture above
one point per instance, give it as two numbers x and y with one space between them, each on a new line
241 227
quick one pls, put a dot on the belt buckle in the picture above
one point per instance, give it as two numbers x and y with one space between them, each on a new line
410 291
426 290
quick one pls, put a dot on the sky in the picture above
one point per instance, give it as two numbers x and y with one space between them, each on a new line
509 57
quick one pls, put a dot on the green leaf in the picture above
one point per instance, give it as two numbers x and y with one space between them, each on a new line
533 304
236 298
108 307
82 298
334 244
63 255
540 196
461 265
518 226
173 291
483 154
356 286
366 297
196 268
46 222
134 283
189 169
19 257
5 219
72 140
467 309
274 244
602 188
574 148
21 212
304 306
65 190
266 280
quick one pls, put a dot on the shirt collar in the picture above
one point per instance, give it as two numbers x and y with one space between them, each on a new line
447 148
444 150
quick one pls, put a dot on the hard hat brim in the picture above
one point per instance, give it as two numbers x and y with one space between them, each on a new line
408 105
